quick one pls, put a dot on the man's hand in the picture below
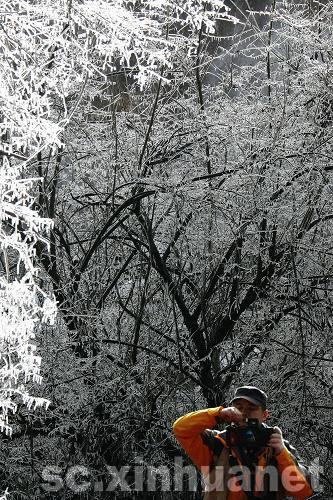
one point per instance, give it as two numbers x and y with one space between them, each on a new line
276 440
231 414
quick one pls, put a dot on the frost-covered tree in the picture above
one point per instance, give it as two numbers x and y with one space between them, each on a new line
49 50
191 241
50 53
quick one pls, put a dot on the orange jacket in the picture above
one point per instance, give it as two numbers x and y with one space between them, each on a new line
188 430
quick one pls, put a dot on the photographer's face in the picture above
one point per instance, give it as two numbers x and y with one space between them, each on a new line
250 410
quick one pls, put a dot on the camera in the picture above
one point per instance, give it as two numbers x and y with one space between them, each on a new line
253 435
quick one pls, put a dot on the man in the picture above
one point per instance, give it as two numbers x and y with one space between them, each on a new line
234 472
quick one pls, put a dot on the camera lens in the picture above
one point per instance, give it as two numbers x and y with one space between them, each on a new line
249 436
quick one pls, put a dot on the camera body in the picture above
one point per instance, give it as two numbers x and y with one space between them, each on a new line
253 435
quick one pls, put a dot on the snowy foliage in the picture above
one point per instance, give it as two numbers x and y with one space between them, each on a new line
5 495
48 50
237 203
23 304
